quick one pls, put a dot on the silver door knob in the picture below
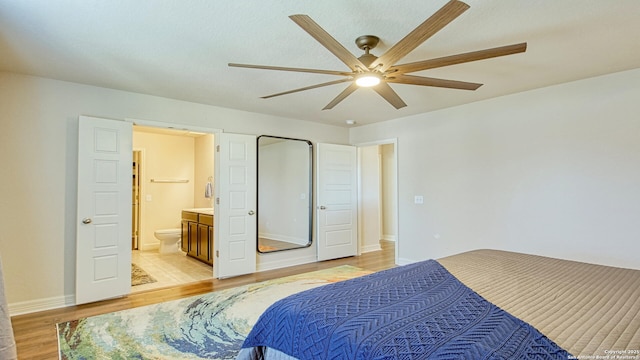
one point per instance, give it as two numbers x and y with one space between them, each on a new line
323 207
86 221
251 212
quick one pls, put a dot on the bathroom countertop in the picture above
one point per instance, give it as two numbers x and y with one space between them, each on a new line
206 211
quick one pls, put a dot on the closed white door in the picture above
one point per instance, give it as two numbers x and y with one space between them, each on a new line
103 242
235 210
336 206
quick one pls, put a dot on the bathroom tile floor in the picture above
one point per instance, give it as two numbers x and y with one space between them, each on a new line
169 269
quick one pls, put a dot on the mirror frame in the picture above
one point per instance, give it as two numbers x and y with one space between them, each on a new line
310 196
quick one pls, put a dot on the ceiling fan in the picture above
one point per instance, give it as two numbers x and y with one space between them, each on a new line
369 70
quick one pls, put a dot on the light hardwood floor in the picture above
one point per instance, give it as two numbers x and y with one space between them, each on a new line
36 333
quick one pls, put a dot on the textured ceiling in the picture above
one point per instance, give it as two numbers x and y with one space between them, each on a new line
180 48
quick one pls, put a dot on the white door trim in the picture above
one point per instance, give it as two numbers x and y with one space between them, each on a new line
141 194
174 126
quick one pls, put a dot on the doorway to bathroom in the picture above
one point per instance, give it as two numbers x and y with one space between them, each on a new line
171 170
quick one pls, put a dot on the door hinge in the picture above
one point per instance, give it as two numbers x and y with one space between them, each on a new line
217 253
217 201
217 148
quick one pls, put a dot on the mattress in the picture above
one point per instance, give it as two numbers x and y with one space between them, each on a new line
592 311
589 310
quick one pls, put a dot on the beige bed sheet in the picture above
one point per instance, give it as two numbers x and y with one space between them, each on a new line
589 310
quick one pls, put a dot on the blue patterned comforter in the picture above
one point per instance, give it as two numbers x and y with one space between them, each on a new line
417 311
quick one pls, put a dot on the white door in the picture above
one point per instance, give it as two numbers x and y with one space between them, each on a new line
103 242
235 209
337 201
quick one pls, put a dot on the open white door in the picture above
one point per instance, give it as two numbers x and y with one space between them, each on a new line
337 201
103 242
235 209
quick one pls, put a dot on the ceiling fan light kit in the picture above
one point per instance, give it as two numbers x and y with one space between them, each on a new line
376 72
368 79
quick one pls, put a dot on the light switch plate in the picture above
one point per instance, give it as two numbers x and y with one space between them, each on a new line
418 199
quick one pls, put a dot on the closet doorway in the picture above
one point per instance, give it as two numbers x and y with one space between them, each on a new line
377 194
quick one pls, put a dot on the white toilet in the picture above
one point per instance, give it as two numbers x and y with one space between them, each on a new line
169 239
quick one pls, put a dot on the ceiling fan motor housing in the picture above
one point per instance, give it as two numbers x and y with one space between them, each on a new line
367 42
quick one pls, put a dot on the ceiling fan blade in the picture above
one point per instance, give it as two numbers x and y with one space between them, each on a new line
280 68
427 81
323 37
307 88
388 94
449 12
460 58
346 92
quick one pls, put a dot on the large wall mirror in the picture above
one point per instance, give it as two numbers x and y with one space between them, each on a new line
285 196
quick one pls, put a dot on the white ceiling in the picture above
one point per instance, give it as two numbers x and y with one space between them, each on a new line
180 48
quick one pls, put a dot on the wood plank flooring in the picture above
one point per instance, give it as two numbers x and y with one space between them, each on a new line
36 333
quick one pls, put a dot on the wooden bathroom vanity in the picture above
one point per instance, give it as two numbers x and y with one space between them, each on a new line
197 234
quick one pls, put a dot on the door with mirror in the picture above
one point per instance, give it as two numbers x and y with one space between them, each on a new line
285 195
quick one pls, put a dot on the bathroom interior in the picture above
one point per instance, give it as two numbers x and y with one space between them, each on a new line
172 202
172 174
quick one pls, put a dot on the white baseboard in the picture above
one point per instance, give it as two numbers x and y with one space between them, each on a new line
403 261
27 307
389 237
278 264
370 248
149 246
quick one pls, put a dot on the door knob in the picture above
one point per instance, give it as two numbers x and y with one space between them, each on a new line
86 221
323 207
251 212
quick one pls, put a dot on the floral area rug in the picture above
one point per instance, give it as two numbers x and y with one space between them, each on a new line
209 326
139 276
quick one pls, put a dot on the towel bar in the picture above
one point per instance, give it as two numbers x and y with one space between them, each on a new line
169 180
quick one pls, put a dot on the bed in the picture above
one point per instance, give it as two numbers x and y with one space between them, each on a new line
523 306
7 341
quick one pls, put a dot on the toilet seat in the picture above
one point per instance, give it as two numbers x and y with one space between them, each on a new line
168 231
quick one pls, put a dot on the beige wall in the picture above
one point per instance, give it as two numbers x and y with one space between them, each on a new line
204 165
377 217
553 171
369 212
164 157
38 152
389 191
